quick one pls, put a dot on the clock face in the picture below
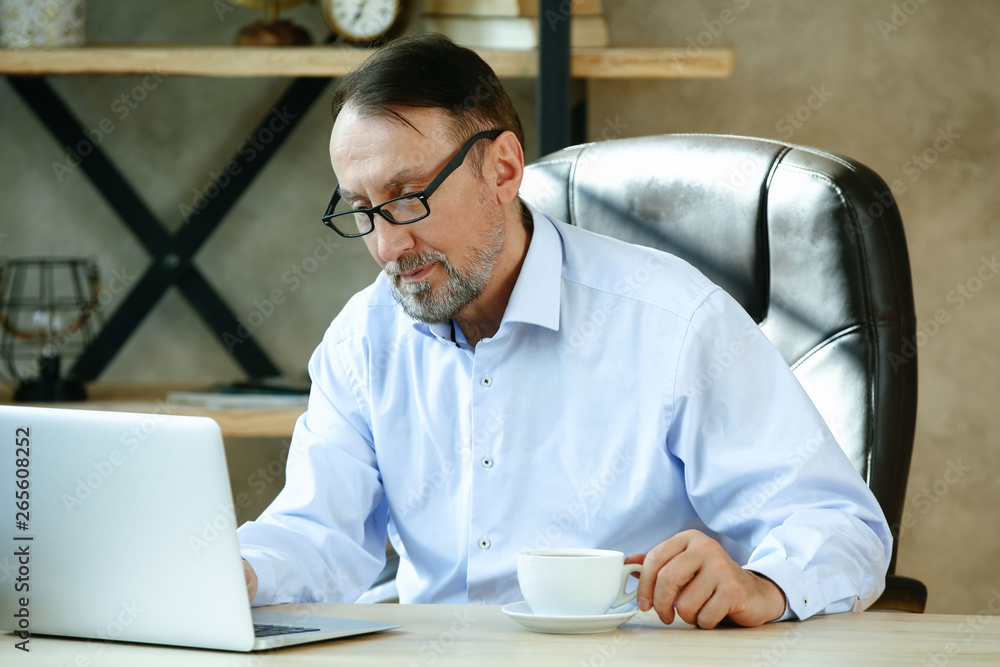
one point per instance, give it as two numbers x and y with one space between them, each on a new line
362 20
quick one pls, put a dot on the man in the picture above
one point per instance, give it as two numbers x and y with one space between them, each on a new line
512 382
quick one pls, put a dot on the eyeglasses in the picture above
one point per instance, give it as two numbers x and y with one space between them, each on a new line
351 222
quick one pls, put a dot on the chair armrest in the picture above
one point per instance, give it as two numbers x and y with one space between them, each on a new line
902 594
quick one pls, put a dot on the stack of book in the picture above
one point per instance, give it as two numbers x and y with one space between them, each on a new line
513 24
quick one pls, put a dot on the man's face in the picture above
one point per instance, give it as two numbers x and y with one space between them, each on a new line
440 264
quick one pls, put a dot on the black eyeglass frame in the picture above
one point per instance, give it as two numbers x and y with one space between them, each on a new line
421 196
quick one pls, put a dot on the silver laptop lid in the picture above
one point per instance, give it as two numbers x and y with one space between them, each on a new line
131 526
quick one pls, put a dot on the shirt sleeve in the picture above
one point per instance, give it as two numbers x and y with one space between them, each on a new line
763 470
323 537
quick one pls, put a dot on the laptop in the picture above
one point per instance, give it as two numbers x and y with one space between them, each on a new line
128 532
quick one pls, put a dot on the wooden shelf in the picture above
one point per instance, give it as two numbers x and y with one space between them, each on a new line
258 423
228 61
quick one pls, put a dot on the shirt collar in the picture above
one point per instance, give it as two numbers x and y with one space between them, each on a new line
535 299
536 295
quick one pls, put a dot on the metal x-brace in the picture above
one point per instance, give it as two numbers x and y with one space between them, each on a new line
172 254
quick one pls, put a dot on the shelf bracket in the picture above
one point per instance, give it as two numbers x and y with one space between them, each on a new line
553 88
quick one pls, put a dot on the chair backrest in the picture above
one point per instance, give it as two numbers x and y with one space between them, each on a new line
809 242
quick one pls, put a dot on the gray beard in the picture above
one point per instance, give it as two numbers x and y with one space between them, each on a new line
461 288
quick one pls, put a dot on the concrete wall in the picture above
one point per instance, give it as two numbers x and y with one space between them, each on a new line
893 75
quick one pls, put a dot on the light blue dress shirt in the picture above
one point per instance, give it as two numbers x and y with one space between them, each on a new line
623 399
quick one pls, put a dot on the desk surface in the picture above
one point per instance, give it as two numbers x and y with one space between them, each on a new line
483 635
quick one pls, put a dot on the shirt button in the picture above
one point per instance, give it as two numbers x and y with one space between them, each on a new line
487 462
484 544
805 601
486 381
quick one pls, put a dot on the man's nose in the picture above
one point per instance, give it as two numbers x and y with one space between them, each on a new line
393 240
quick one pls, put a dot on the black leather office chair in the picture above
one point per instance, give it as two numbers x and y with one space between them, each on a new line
810 243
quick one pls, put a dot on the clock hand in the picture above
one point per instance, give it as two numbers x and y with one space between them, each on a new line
361 9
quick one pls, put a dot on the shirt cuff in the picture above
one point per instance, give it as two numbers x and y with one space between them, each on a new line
266 581
803 597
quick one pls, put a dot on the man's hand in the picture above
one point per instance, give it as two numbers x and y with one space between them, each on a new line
693 573
251 579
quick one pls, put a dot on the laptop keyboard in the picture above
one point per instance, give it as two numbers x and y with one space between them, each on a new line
266 630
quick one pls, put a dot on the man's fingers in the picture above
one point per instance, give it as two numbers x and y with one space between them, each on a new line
657 557
669 580
635 559
715 609
690 600
251 578
691 575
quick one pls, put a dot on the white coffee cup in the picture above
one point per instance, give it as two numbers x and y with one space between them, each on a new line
574 582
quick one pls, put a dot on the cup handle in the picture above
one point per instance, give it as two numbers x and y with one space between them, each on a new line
624 597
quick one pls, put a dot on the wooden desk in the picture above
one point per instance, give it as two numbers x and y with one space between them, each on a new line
271 423
482 635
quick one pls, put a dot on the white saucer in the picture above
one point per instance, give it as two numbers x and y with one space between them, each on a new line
568 625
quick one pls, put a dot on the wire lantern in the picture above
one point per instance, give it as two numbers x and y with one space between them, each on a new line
48 315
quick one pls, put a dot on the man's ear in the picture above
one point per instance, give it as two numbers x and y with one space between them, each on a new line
507 157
